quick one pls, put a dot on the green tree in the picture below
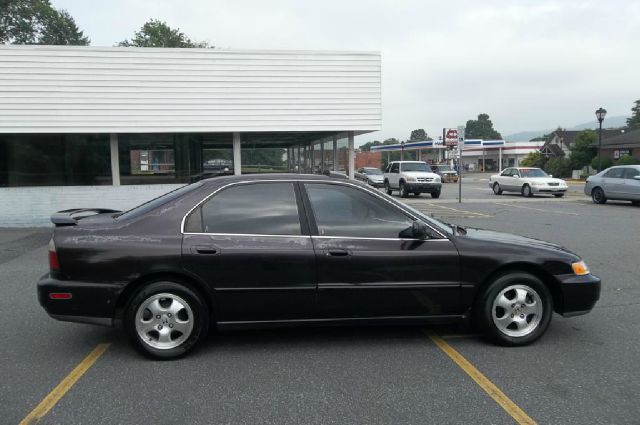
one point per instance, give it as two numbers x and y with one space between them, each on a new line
482 128
627 160
155 33
558 167
633 123
606 163
418 135
582 151
534 159
37 22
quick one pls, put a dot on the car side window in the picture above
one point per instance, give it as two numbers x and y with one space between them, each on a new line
257 208
349 212
507 172
395 168
615 173
630 173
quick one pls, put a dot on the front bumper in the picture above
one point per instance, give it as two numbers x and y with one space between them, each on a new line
93 303
579 294
449 178
549 189
424 187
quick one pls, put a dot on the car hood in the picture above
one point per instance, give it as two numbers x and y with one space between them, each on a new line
511 239
420 174
377 177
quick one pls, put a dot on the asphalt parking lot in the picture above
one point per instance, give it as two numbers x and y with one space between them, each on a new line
584 370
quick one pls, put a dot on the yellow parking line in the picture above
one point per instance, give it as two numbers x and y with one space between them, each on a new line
65 385
489 387
536 209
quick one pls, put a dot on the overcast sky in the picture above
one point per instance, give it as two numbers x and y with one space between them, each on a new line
529 64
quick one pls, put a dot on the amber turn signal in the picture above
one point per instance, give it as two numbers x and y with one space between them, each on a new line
580 268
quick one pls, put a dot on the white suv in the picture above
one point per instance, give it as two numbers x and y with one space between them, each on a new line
411 177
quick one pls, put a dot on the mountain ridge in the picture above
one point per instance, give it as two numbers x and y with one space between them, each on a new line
612 122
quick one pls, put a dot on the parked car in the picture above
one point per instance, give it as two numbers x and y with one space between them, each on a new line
411 177
616 183
273 250
446 173
371 176
527 181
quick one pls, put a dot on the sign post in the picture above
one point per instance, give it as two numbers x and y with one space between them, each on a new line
460 165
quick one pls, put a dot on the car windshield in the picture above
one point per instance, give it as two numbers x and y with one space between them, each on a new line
443 168
372 171
414 166
156 202
532 172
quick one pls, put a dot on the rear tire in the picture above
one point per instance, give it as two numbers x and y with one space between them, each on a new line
526 191
165 319
387 188
514 310
558 195
497 189
435 195
598 196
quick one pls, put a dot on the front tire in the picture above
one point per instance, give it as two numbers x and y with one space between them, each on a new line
558 195
598 196
403 190
387 188
526 191
497 189
515 309
166 320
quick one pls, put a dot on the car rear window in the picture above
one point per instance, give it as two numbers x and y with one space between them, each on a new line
156 202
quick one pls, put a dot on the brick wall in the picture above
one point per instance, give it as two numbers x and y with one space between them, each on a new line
32 206
368 159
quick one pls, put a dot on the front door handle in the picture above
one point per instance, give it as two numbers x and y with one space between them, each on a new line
204 249
338 252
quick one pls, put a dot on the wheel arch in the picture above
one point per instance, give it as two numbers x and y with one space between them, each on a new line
186 279
536 270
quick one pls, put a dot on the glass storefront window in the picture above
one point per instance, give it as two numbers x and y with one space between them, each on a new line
54 160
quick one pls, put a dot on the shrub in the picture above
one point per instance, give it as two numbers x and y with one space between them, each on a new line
606 163
559 167
627 160
534 159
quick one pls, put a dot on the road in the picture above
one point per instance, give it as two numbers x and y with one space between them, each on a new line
584 370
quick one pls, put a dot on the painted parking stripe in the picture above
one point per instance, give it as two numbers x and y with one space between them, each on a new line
489 387
537 209
65 385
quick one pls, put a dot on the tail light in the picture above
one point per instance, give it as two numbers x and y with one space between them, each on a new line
54 264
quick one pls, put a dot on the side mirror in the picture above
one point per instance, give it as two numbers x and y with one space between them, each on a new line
419 230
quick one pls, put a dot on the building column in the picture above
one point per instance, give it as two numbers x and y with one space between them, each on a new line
352 153
335 152
115 159
500 159
237 157
321 157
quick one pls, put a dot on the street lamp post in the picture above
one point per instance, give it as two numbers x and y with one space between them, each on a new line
600 114
401 151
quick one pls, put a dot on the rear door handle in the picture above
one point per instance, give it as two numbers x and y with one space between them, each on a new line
338 252
204 249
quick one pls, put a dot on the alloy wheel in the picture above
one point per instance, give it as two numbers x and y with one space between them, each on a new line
517 310
164 321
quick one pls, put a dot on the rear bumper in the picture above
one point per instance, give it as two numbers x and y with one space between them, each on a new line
424 187
446 178
93 303
579 294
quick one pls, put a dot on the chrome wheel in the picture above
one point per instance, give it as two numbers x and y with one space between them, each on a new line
526 191
517 310
164 321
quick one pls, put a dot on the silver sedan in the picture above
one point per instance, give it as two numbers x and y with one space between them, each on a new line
615 183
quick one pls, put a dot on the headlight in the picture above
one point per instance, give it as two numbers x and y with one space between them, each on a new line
580 268
437 179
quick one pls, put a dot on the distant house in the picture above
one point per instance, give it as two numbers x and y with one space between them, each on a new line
625 143
560 142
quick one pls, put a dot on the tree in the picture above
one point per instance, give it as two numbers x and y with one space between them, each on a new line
155 33
558 166
482 128
419 135
627 160
37 22
534 159
582 151
606 163
633 123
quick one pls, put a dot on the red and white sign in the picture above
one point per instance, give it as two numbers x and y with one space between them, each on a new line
450 136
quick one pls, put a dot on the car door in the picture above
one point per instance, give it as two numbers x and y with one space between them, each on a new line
368 263
250 243
506 180
394 175
613 182
631 186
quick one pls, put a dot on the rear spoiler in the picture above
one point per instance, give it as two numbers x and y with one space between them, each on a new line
71 217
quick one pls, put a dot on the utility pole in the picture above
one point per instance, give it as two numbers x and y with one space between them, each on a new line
460 164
